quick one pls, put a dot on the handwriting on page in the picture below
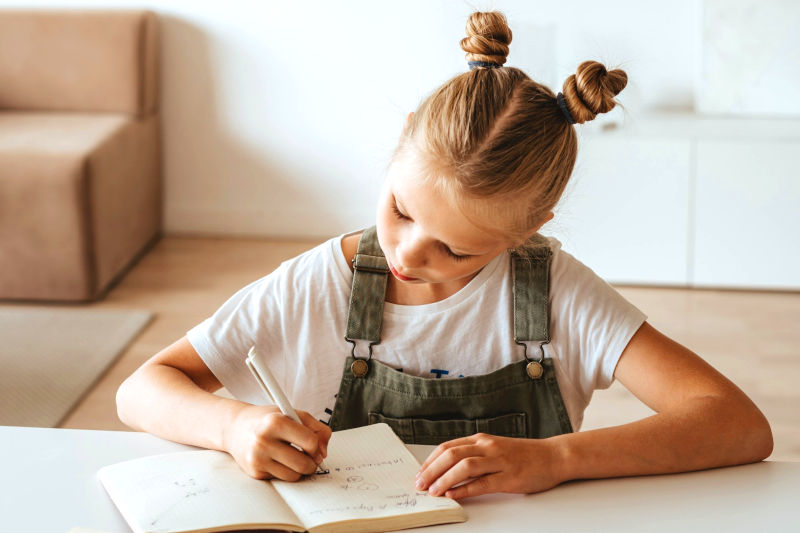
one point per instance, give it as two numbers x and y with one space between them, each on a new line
363 488
171 496
187 491
358 483
371 476
395 501
373 464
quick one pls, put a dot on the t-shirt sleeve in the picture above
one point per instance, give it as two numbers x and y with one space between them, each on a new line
593 321
250 317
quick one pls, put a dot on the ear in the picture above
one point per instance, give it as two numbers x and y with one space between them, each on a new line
408 119
546 219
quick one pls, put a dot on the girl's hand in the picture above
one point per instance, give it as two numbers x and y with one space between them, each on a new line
258 439
488 463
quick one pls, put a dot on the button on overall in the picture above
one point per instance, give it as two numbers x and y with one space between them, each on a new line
521 399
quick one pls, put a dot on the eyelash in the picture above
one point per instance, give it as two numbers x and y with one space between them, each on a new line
397 213
456 257
446 250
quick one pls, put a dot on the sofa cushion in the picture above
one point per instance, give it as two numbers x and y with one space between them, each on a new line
34 133
79 60
79 199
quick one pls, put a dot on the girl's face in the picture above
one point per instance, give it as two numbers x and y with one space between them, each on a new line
424 235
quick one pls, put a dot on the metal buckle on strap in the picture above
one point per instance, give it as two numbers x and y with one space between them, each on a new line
353 352
370 263
534 369
359 367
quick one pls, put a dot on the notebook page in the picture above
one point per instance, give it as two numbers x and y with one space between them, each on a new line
192 490
371 476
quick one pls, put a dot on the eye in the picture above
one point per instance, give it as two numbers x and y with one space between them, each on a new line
398 214
455 256
445 249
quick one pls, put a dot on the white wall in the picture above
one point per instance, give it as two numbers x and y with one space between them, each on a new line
279 117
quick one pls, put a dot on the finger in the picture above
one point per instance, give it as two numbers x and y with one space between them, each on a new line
445 446
323 446
446 460
274 469
324 438
431 457
298 434
310 422
291 457
482 485
471 467
322 430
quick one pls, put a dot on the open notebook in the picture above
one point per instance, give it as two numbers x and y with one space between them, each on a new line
370 487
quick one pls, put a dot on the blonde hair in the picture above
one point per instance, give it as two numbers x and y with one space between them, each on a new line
496 136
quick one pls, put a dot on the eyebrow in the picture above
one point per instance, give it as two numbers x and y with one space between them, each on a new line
451 248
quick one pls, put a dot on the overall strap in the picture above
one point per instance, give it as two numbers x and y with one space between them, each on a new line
370 276
530 274
530 271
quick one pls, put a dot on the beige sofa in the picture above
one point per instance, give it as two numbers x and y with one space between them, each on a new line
80 170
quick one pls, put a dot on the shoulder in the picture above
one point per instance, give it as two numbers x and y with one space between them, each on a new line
320 265
567 272
320 255
590 317
575 285
350 246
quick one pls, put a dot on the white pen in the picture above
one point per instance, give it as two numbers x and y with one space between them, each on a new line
270 386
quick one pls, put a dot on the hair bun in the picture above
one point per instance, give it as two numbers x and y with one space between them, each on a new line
591 90
488 37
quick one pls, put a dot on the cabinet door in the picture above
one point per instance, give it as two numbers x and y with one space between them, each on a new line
625 213
747 214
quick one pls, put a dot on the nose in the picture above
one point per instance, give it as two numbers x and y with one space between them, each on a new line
410 251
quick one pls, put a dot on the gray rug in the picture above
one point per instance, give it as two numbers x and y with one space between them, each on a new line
51 356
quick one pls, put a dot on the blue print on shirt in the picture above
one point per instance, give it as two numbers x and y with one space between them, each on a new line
439 372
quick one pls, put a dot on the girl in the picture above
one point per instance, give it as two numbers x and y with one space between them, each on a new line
462 325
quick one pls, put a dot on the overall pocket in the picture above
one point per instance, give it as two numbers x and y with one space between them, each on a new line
428 431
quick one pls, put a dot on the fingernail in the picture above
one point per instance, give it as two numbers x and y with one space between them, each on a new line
417 474
419 484
318 458
433 489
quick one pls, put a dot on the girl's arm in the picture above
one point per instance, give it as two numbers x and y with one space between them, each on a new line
171 395
703 421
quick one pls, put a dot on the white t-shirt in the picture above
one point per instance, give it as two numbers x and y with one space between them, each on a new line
296 317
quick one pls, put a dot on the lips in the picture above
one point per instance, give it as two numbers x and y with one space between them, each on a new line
399 275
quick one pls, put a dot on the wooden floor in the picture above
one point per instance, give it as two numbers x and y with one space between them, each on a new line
751 337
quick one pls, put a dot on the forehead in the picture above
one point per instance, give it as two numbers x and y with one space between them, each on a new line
436 209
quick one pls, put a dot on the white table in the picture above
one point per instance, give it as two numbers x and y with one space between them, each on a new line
49 486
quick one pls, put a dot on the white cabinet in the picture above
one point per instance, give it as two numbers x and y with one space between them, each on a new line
625 212
747 222
682 200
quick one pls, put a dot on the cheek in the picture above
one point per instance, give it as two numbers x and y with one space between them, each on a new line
464 268
385 227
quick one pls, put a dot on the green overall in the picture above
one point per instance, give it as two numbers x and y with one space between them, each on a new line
521 399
